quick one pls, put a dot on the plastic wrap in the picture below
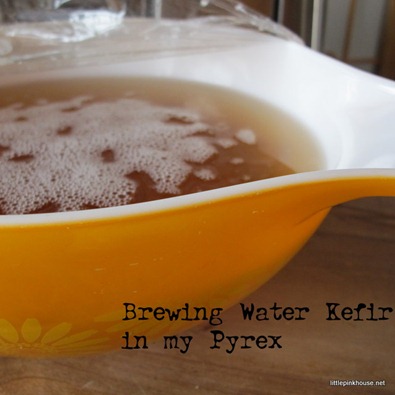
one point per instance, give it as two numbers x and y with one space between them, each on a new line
51 33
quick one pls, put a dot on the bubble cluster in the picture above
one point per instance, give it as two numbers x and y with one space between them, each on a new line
81 153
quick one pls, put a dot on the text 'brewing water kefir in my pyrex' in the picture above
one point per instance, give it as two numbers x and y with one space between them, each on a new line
86 152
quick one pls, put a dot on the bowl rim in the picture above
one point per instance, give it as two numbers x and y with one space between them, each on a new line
193 200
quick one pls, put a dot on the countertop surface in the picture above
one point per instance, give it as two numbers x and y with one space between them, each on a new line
350 261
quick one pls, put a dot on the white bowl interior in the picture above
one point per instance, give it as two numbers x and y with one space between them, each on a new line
339 106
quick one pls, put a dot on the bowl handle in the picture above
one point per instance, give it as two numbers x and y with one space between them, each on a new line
369 141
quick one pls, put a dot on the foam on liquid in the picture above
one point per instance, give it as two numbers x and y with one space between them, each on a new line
84 147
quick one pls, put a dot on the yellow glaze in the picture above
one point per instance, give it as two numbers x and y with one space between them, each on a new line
65 277
63 284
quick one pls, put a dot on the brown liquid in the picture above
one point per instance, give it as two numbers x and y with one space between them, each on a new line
237 140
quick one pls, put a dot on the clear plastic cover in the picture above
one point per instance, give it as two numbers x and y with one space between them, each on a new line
47 33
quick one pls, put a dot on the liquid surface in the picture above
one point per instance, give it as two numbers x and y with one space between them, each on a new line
74 145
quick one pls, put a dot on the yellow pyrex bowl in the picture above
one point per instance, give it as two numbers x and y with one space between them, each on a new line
64 277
